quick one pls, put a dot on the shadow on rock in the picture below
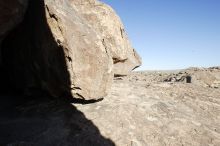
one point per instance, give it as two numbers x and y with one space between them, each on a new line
34 63
32 59
46 122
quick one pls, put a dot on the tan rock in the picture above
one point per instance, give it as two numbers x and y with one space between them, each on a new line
88 61
103 19
67 47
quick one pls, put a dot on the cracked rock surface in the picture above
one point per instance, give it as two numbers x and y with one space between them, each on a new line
143 110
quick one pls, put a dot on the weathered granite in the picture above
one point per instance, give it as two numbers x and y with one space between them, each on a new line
65 47
103 19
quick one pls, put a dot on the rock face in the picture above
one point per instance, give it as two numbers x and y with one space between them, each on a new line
11 13
65 47
102 18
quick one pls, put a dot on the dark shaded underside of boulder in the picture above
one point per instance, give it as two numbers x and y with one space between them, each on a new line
31 59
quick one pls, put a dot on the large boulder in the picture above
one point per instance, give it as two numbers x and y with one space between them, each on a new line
104 20
54 50
66 47
88 60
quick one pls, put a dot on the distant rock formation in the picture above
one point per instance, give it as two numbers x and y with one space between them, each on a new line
63 47
206 77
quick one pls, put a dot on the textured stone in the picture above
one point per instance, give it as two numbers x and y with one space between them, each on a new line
103 19
88 62
141 110
66 47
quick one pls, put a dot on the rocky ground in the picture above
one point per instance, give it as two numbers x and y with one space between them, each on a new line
145 109
152 108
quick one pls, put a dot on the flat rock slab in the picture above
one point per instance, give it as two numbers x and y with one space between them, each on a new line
141 110
46 122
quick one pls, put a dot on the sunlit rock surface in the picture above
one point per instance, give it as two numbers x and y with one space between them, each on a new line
144 110
63 47
103 19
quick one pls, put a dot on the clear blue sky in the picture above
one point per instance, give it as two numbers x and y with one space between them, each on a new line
172 34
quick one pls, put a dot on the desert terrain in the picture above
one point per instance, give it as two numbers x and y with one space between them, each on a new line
144 109
150 108
66 80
